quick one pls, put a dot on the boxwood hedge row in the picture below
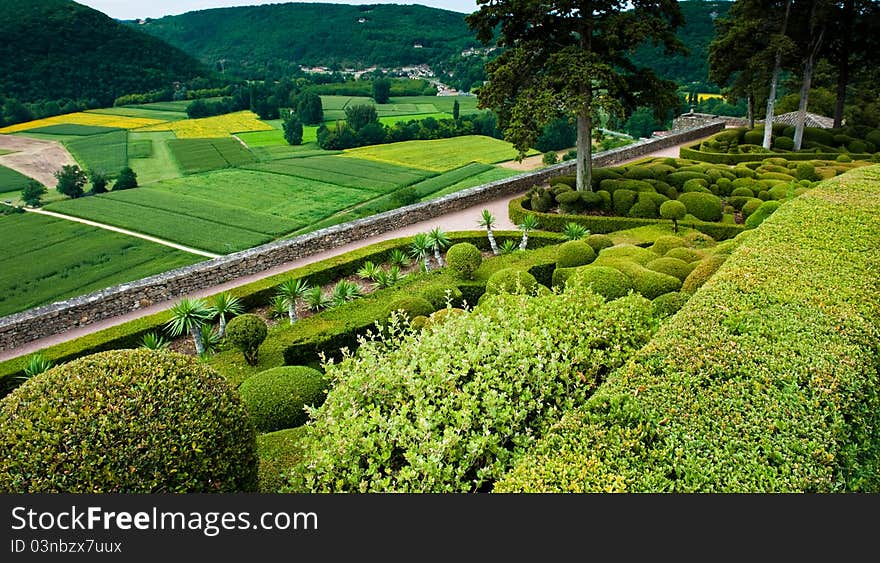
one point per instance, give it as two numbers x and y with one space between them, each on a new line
766 380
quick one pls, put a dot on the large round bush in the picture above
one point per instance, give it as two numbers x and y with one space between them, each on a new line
599 241
574 253
464 258
608 282
275 398
411 306
246 333
705 207
127 421
511 280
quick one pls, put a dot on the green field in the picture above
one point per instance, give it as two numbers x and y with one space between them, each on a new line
135 111
107 152
47 259
71 129
495 173
439 155
344 171
276 137
159 164
281 152
201 155
334 106
178 106
11 182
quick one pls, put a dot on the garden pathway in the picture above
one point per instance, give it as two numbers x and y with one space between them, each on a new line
465 219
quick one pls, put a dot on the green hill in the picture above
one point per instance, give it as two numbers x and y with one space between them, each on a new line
696 33
253 39
57 49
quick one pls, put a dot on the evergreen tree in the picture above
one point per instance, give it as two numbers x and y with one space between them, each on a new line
309 108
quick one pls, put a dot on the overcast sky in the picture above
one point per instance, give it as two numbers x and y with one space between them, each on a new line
136 9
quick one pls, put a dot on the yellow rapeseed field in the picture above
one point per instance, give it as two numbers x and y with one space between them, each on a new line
702 96
81 118
212 127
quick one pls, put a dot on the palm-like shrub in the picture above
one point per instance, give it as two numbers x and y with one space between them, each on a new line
388 278
225 304
438 241
278 307
154 341
37 364
575 231
487 220
290 291
345 291
420 249
508 246
188 315
316 300
398 257
210 340
368 270
529 223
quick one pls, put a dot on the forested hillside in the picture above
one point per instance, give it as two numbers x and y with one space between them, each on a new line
58 50
253 39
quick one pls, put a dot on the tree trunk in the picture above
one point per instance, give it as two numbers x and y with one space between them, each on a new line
492 243
291 310
196 332
585 154
524 241
774 80
438 257
426 263
815 43
843 62
222 330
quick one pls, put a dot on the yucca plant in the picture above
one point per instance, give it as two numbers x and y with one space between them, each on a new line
154 341
398 257
574 231
290 291
316 300
439 242
368 270
188 315
389 277
508 246
210 339
420 249
277 307
344 291
529 223
37 364
226 304
488 221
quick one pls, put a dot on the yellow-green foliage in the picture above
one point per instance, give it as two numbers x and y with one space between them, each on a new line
671 266
647 282
629 252
276 398
464 258
574 253
126 421
689 255
279 452
766 381
666 243
701 273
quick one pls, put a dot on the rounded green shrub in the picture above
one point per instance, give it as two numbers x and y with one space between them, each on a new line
807 171
668 304
418 323
743 171
689 255
725 186
442 315
673 210
705 207
246 333
437 294
765 210
857 146
783 143
638 172
677 179
570 202
696 239
665 243
574 253
704 270
591 201
608 282
541 203
127 421
764 195
599 241
411 306
674 267
564 179
695 185
843 158
464 258
560 189
511 280
751 206
742 192
628 252
753 137
646 282
873 137
275 398
644 208
622 201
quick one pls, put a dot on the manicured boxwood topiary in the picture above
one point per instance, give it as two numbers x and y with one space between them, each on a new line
608 282
464 258
704 270
574 253
647 282
437 294
629 252
598 242
511 280
411 306
671 266
668 304
275 398
246 333
783 143
442 315
622 201
705 207
127 421
765 210
665 243
645 207
688 255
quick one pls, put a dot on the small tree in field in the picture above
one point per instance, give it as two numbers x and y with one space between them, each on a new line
293 129
673 210
33 193
381 90
99 181
71 180
127 179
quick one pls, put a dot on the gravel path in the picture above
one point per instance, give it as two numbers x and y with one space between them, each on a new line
466 219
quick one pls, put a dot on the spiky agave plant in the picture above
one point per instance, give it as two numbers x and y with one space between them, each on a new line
225 304
508 246
368 270
345 291
439 242
575 231
316 300
420 249
37 364
398 257
487 220
291 290
188 315
154 341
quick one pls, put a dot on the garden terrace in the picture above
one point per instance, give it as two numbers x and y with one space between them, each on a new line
766 380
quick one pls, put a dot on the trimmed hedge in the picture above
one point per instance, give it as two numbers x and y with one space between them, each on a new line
276 398
694 153
574 253
608 282
464 258
766 381
127 421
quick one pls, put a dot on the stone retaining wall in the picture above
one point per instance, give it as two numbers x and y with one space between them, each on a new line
48 320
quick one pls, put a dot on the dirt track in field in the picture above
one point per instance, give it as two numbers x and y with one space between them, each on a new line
35 158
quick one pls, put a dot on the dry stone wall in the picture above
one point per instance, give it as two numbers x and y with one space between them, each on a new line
48 320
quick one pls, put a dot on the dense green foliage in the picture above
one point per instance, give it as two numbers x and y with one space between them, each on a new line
734 394
464 258
405 415
246 333
92 59
258 40
142 421
275 399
